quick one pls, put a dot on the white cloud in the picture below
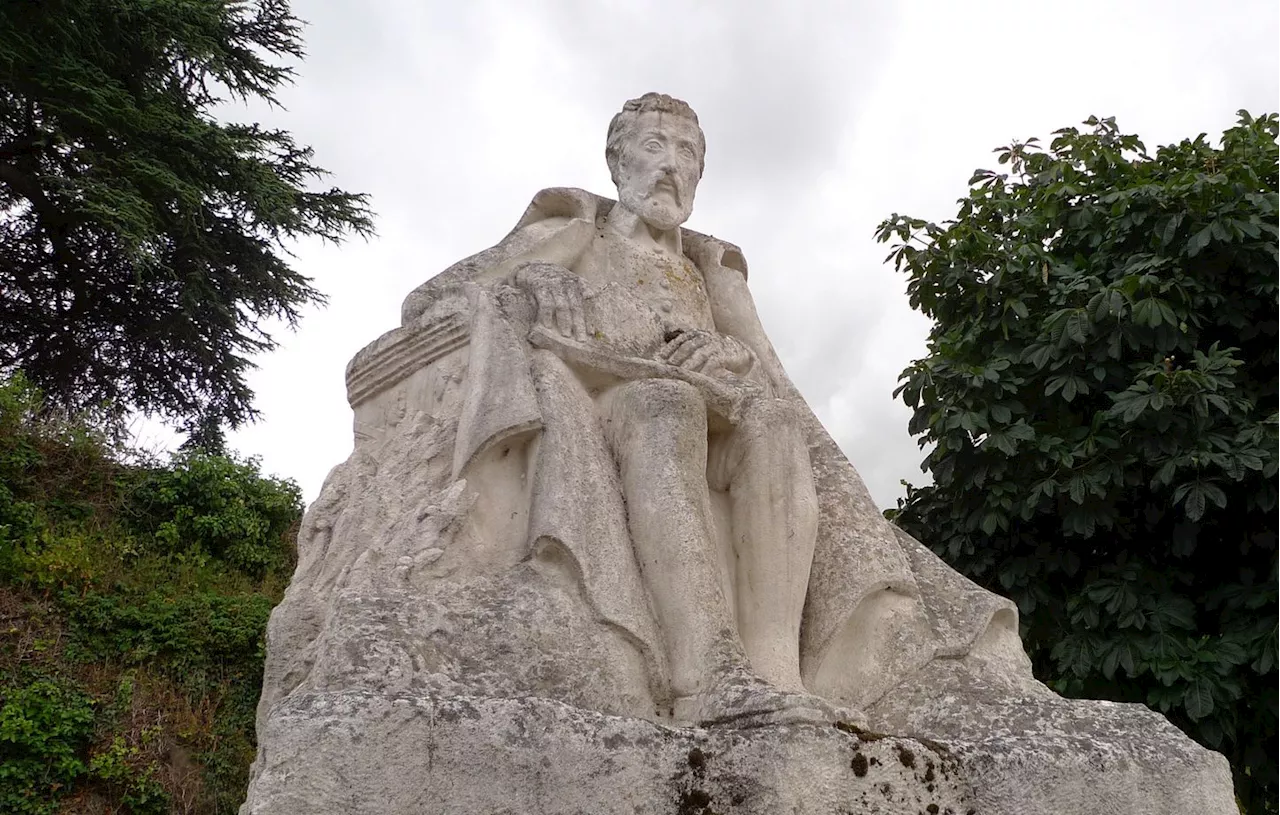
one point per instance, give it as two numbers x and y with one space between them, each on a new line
821 120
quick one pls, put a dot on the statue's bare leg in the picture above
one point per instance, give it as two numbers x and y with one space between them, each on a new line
775 528
658 431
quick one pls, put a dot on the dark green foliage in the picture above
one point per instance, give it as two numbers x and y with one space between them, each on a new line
195 636
142 242
229 747
18 456
139 792
215 506
1100 393
45 727
144 590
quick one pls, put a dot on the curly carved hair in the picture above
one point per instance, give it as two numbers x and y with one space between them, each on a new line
625 120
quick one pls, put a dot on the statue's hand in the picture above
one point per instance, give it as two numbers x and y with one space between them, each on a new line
708 352
557 297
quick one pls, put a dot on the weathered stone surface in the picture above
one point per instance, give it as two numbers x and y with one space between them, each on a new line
1028 751
440 753
469 756
591 531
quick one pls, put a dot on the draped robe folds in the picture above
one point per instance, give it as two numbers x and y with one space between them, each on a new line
879 606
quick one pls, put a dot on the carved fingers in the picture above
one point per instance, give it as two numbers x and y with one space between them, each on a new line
701 356
557 297
706 351
682 345
736 356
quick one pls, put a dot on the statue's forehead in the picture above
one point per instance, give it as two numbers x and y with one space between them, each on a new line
667 123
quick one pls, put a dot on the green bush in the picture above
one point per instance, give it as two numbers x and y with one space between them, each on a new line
167 572
230 745
137 788
18 458
192 635
203 505
45 727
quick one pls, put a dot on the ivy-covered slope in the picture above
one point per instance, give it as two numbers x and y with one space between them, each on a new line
133 602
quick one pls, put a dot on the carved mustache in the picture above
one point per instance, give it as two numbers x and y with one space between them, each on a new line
668 183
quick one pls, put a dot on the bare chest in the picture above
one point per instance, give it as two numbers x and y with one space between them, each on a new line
671 288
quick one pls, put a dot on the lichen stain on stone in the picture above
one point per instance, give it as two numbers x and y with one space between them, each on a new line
697 761
695 802
859 765
867 736
907 757
937 747
613 741
694 799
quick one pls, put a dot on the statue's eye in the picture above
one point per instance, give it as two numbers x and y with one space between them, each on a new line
687 152
653 145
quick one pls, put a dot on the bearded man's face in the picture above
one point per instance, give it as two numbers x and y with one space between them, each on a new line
658 169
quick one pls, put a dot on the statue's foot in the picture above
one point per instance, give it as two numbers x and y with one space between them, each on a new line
743 700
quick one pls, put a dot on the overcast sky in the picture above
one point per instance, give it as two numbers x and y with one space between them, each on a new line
821 120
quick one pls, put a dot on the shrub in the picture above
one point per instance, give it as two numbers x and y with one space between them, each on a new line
192 635
45 727
111 570
18 458
204 505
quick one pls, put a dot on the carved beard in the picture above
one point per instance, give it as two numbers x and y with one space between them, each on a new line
657 210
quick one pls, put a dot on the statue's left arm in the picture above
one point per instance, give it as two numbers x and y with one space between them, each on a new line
732 308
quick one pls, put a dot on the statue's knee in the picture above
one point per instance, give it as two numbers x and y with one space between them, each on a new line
772 434
772 416
652 399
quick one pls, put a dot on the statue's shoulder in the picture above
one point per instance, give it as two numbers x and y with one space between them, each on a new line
563 204
561 215
711 253
554 207
551 213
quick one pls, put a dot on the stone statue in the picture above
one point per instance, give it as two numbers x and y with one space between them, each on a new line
590 532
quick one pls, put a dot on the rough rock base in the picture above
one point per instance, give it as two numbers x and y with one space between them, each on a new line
353 753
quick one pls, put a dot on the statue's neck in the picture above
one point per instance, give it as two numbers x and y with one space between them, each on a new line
633 228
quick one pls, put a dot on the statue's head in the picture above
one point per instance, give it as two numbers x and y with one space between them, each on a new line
656 151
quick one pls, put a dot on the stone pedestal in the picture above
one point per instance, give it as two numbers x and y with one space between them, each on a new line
353 753
359 754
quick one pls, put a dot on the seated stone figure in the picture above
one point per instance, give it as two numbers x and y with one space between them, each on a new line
583 479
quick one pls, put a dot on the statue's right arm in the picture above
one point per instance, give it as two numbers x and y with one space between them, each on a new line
541 264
